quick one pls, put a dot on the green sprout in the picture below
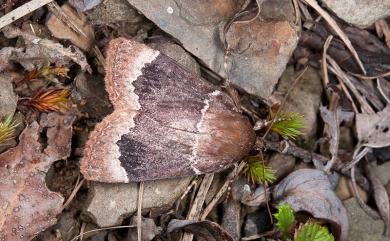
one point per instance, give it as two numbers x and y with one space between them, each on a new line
285 219
289 125
312 231
7 129
256 172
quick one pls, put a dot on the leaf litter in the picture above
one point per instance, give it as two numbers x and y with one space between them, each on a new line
23 168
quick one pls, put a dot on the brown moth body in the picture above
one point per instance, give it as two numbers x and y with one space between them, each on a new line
166 122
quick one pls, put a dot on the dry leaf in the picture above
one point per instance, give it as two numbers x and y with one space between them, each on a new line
27 205
39 52
202 230
381 200
332 122
5 55
373 129
61 30
309 190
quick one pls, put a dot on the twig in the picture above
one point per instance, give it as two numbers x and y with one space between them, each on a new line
81 235
297 12
290 149
230 178
22 11
74 192
139 211
324 67
357 158
61 15
190 186
334 101
284 101
378 83
335 68
373 214
101 229
196 207
364 77
337 29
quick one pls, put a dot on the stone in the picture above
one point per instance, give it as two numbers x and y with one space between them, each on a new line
282 164
261 48
361 13
148 226
304 98
117 12
257 222
177 53
8 99
362 226
344 189
382 172
109 204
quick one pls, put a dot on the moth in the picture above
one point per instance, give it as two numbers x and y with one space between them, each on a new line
166 123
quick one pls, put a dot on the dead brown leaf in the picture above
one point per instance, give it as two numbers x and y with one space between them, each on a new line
27 205
309 190
61 30
39 52
373 129
202 230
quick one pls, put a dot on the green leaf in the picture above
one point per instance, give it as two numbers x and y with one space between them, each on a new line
257 173
311 231
285 219
289 125
7 129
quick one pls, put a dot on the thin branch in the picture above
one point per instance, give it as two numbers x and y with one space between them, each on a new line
332 23
230 178
196 207
324 67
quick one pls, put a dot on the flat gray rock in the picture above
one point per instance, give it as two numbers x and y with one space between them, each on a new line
261 48
362 226
109 204
361 13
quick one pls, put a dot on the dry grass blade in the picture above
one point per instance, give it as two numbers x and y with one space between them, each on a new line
335 68
51 100
386 74
324 67
337 29
139 211
7 129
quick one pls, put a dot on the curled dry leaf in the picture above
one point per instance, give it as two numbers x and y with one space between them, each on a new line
61 30
202 230
381 200
373 129
309 190
27 205
39 52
